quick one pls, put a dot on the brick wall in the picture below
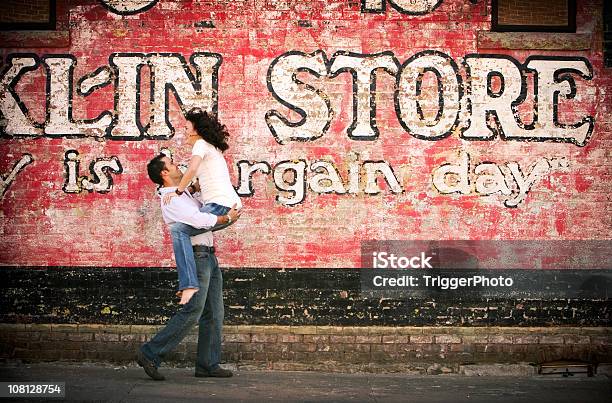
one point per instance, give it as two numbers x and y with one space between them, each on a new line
431 350
82 114
294 319
50 219
293 297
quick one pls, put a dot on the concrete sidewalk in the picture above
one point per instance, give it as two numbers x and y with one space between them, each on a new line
100 382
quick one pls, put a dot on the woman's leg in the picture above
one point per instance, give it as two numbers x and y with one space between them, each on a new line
185 261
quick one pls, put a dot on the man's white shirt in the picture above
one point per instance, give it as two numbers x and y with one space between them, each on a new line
186 209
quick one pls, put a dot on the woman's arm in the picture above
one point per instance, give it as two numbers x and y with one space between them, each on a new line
190 173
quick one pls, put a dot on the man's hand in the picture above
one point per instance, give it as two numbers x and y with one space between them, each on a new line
233 213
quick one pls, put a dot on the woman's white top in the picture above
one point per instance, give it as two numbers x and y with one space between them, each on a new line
215 184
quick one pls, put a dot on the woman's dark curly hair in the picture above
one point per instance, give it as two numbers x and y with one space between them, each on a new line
208 127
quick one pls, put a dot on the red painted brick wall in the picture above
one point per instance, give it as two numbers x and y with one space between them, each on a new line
43 224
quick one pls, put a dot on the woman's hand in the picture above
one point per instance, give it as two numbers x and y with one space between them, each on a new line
195 185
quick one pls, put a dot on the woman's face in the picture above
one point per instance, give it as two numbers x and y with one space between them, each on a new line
192 135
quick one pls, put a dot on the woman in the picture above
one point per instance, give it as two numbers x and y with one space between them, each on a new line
208 139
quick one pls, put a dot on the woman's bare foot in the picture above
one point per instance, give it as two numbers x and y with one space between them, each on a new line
187 294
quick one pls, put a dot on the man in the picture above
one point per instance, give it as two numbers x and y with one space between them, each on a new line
206 306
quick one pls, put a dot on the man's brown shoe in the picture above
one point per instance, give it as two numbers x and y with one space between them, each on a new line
149 366
216 373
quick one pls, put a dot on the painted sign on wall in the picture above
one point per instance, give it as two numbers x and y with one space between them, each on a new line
345 126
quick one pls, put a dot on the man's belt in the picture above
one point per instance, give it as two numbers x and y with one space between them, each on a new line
204 248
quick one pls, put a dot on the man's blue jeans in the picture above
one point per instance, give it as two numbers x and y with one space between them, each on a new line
205 308
181 243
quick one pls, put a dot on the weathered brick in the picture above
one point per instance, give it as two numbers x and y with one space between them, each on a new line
68 328
368 339
303 330
229 347
33 327
27 336
118 328
80 336
310 338
421 339
261 356
53 336
276 347
338 348
290 338
263 338
303 347
238 338
246 356
72 354
91 328
408 330
480 339
106 337
352 330
356 357
437 330
362 348
387 348
337 330
327 347
460 347
595 331
144 329
140 338
395 339
575 339
528 339
341 339
12 327
447 338
251 347
271 329
499 339
601 340
547 339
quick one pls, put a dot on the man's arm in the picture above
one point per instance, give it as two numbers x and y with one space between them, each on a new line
182 210
178 210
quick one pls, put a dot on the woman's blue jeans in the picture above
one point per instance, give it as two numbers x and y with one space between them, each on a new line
183 251
205 308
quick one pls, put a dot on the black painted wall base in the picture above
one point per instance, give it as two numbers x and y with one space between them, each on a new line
265 297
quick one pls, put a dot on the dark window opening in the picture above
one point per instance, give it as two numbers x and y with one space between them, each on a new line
607 32
27 15
533 16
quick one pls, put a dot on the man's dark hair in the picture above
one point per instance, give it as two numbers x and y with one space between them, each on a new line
154 168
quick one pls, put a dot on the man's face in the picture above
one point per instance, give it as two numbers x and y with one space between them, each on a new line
174 174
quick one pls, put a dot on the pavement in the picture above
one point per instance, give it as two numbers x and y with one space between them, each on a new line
104 382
